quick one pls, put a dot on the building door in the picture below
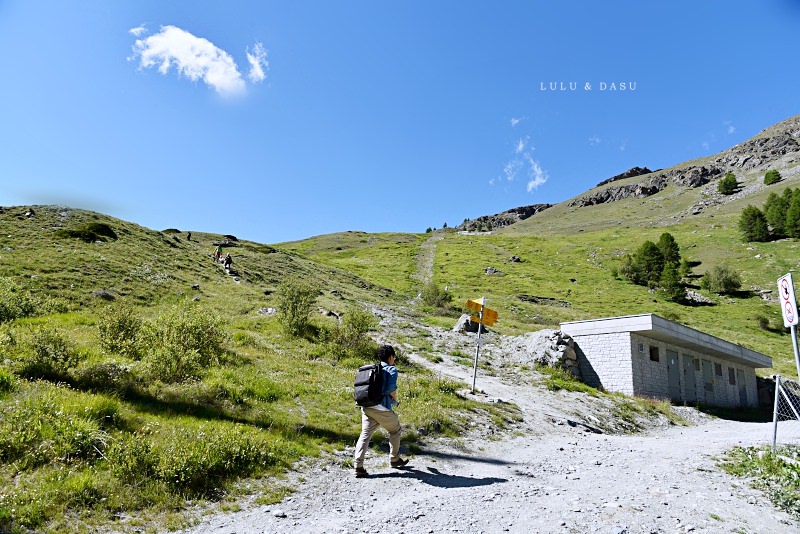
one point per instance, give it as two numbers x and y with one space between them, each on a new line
689 378
674 376
708 382
742 383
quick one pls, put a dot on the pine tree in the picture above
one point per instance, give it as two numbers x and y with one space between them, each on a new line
671 283
775 213
728 185
792 225
669 249
753 225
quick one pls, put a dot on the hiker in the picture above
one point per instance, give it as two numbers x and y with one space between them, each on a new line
188 236
218 252
228 261
381 415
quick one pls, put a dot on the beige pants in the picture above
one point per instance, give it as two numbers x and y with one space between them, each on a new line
371 419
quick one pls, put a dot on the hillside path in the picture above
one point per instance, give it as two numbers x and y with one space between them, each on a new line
547 476
427 253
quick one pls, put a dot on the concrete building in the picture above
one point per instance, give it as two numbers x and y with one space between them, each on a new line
651 356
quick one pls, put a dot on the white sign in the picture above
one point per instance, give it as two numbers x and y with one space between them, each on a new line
787 300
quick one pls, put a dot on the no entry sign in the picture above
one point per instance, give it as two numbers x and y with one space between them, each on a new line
787 300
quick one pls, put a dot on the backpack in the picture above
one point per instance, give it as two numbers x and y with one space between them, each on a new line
369 385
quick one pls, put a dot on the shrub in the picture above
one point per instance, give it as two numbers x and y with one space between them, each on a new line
181 342
728 185
49 355
296 298
89 232
772 177
119 329
14 301
350 339
721 279
6 381
433 295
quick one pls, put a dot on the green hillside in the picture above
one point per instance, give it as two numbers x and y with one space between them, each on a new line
137 376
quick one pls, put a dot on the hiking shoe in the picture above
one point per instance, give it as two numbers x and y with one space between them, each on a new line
399 463
361 472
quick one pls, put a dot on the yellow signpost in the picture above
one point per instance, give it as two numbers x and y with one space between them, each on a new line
486 317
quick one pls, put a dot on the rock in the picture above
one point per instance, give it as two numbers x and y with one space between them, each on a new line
103 294
492 270
515 259
196 299
266 311
279 513
196 287
465 324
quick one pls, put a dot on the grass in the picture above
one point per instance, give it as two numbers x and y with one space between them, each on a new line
777 475
111 436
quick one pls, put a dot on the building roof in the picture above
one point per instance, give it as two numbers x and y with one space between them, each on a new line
656 327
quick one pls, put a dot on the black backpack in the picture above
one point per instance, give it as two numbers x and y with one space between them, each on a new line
369 385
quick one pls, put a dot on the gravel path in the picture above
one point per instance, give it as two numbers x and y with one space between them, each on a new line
549 475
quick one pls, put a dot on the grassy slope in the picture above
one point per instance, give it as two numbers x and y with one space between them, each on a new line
289 395
565 243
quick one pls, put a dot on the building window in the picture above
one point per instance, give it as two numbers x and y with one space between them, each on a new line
718 369
641 348
731 376
654 354
696 364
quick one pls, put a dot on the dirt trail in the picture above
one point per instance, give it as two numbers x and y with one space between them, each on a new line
547 476
427 253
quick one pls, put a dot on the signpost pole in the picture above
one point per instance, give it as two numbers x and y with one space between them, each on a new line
796 352
478 348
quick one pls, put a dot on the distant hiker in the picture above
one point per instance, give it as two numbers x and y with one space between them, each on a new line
188 236
228 261
381 415
218 253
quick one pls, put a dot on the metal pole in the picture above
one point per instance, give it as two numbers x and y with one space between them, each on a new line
775 413
478 348
796 353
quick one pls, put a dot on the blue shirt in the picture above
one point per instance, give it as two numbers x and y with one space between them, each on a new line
389 385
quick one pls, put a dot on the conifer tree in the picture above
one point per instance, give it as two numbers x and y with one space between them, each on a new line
753 225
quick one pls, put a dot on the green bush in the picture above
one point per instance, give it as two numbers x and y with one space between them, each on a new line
728 185
6 380
14 301
433 295
47 354
772 177
89 232
350 339
119 329
296 299
777 475
721 279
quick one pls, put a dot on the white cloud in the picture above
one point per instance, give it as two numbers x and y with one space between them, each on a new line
521 144
536 175
515 121
594 140
193 57
511 169
137 31
730 127
258 63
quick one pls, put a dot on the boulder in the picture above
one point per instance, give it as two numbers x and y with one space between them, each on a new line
465 324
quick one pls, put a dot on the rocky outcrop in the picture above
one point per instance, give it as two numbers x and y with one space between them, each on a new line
691 176
630 173
544 347
500 220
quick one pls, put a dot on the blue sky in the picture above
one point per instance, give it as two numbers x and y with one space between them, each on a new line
276 121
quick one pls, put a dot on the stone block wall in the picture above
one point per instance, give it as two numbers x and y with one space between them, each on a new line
605 362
